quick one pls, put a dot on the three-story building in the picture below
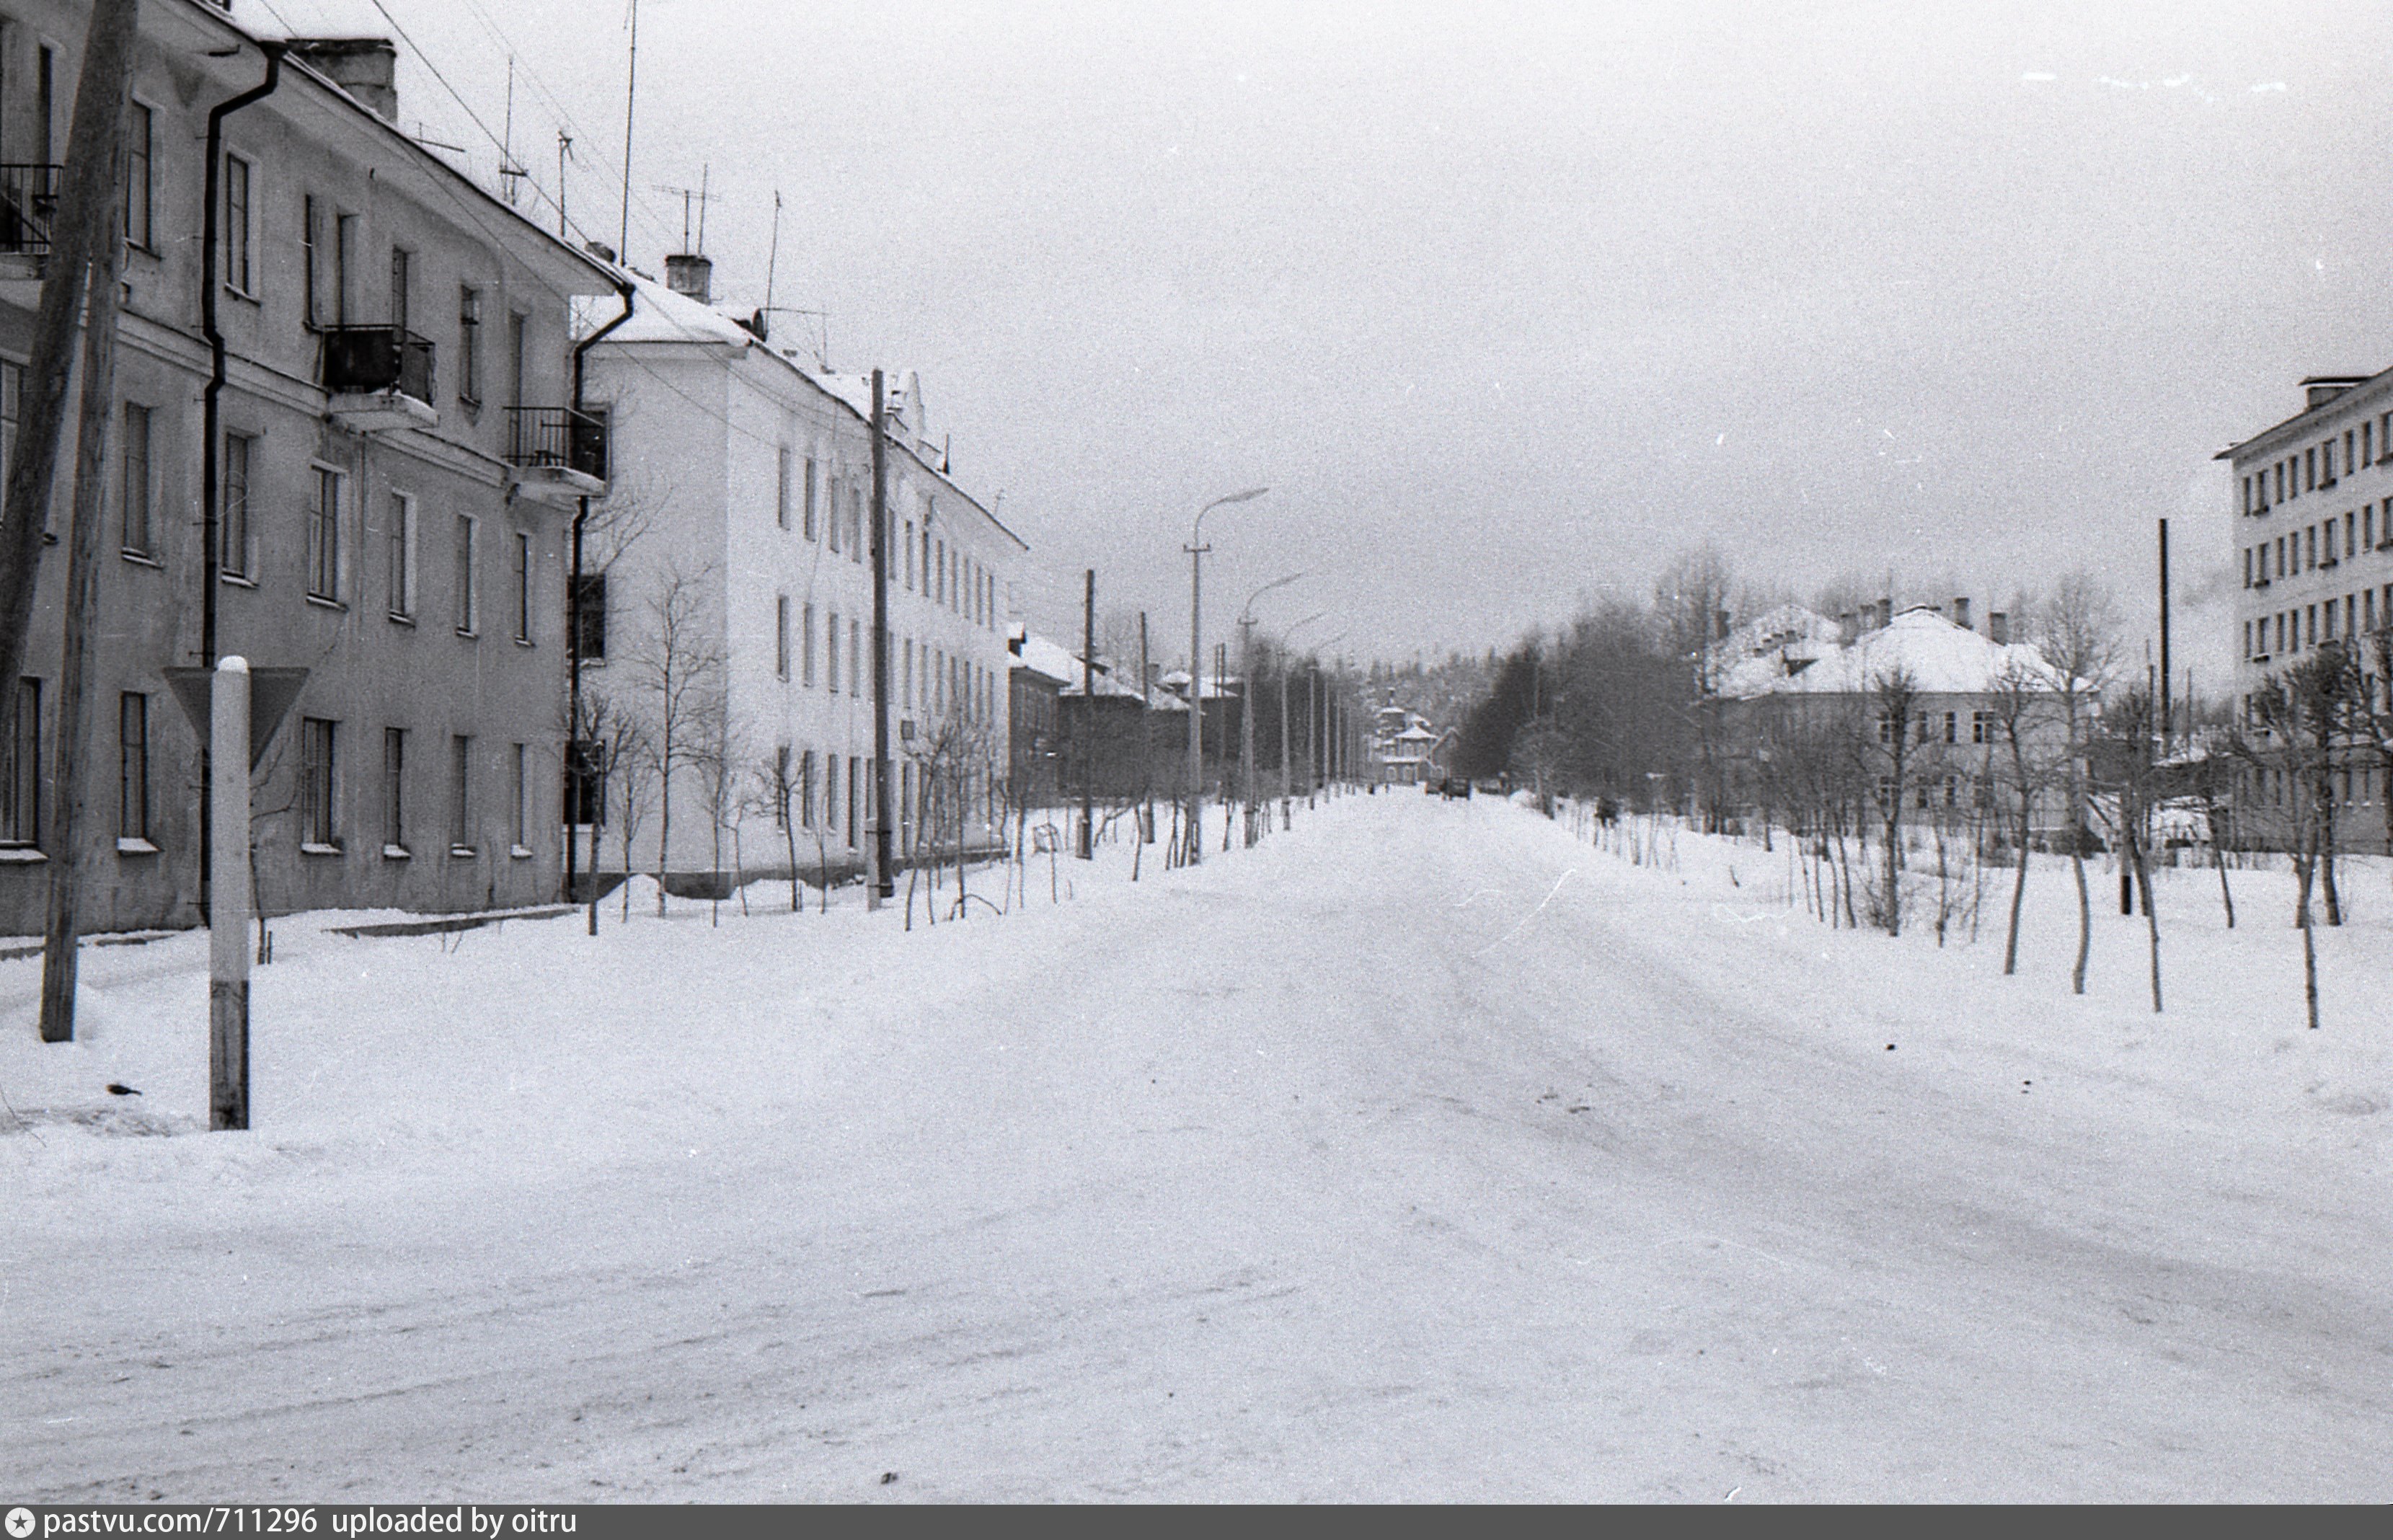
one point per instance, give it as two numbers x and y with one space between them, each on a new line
394 455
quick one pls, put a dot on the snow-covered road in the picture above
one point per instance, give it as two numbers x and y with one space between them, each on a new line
1424 1153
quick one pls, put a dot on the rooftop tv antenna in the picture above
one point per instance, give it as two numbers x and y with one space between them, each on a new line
690 196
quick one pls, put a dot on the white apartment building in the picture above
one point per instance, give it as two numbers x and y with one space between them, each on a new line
734 548
2314 535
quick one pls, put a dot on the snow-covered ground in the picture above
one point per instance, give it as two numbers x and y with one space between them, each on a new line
1423 1152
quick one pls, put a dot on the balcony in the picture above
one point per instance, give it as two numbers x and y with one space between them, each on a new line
28 201
555 453
378 377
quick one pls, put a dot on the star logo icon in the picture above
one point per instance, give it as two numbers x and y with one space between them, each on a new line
20 1522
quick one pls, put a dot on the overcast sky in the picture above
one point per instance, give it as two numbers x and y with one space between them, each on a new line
1510 304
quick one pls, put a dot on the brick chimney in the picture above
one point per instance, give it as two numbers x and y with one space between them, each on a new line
690 276
364 67
1998 628
1961 613
1848 628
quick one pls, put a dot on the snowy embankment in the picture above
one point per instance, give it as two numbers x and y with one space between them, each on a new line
1425 1151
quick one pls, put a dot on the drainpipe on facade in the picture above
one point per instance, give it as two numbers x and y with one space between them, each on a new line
211 527
573 616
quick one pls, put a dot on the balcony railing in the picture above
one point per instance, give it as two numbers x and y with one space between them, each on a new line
28 201
368 361
557 439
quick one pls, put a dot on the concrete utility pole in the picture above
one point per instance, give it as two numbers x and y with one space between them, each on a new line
1089 721
88 199
1196 549
884 880
228 810
61 938
1247 727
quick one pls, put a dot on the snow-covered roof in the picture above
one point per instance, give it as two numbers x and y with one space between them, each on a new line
1045 658
1941 657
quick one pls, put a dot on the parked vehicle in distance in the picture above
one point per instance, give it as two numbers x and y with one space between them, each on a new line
1454 785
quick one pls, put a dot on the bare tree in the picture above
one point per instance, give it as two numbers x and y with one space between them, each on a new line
679 666
2294 711
2017 697
1894 695
2077 632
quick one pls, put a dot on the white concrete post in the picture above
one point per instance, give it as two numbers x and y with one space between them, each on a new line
229 898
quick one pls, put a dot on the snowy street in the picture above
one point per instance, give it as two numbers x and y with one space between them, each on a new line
1424 1152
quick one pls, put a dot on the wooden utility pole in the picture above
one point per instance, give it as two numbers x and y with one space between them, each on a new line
60 938
1145 744
884 880
2165 639
1089 719
90 200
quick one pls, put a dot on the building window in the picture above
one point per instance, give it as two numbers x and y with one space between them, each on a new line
807 790
906 697
809 495
2350 534
310 254
12 392
467 613
133 766
400 287
394 790
856 524
235 224
782 635
232 521
854 658
832 513
402 557
782 789
518 327
806 646
21 777
781 488
318 783
830 653
134 461
523 587
460 793
590 617
520 833
140 134
345 251
854 789
324 536
469 344
586 791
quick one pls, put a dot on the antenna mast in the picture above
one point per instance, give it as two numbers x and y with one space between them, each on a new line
564 153
773 253
630 100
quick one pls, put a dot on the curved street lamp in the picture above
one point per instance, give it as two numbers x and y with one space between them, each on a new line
1193 845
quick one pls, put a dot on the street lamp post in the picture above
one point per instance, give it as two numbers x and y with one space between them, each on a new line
1246 703
1193 842
1285 638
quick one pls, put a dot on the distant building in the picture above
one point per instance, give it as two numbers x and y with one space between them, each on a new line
2313 534
1403 746
743 500
1790 683
396 370
1131 743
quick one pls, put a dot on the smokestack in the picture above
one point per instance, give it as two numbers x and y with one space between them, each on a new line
1885 613
1961 613
1998 628
690 276
1848 628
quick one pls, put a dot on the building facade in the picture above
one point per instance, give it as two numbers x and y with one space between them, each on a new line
727 604
2314 554
397 344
